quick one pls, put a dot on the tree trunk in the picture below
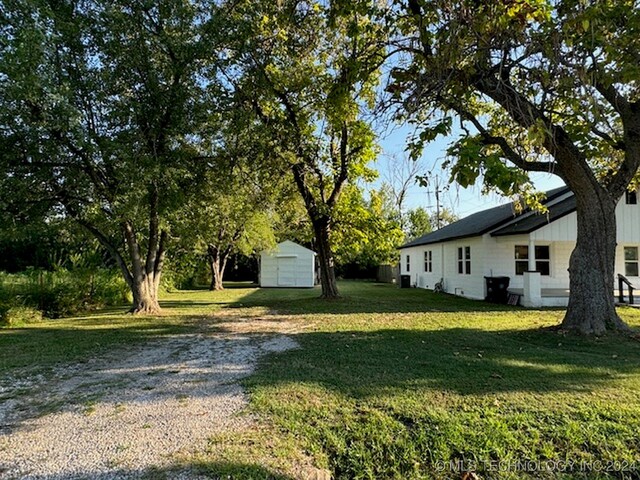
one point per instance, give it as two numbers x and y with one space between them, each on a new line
218 266
145 296
322 230
144 279
218 263
591 307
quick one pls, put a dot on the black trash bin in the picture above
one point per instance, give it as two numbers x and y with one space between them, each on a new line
405 281
497 289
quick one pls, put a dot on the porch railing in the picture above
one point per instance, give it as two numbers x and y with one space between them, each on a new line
622 280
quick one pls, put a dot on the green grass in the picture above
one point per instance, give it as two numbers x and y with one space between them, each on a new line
391 383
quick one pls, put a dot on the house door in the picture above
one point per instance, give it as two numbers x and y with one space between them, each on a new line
286 271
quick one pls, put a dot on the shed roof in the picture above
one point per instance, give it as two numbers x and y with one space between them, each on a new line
487 220
288 243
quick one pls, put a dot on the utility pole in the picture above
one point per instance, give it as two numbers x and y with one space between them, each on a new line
437 193
424 181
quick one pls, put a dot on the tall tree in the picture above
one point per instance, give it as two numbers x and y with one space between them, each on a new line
366 230
541 86
419 223
231 209
101 102
311 72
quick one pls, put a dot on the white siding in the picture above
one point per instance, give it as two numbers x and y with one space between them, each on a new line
445 265
288 265
471 286
419 277
564 230
628 223
501 261
495 256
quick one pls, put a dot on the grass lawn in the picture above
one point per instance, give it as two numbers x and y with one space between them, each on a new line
391 383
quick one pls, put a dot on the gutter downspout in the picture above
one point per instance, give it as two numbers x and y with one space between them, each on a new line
442 265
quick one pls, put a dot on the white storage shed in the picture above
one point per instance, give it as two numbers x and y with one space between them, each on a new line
289 265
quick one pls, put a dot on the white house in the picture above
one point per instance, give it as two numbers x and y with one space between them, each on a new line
531 249
288 265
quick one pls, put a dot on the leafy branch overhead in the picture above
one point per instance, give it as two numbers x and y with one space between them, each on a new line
537 86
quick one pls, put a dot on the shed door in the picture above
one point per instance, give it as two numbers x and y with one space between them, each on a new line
286 271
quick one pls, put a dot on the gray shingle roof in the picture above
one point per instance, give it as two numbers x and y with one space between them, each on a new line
533 222
482 222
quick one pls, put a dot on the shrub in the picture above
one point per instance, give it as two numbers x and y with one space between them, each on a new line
19 316
62 292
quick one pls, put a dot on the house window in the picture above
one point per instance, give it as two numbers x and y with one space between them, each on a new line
630 198
631 261
464 260
408 263
428 261
543 259
522 259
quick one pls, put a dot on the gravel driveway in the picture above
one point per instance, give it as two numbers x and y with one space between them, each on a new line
132 412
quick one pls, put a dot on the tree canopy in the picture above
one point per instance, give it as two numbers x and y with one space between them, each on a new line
102 112
310 74
540 86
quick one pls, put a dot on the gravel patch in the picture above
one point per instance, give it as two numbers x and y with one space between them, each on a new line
131 413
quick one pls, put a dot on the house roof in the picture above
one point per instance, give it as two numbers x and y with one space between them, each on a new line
529 223
487 220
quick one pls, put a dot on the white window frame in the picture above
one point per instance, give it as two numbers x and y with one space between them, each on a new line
464 260
408 264
428 261
526 259
631 261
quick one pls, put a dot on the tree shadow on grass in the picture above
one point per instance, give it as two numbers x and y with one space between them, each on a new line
80 338
462 360
167 305
361 297
356 297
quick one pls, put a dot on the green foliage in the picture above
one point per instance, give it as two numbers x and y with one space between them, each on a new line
232 211
311 75
61 292
419 223
530 82
427 134
365 231
20 316
227 212
105 111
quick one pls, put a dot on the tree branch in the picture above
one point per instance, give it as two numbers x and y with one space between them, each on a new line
134 250
112 249
611 95
343 173
508 151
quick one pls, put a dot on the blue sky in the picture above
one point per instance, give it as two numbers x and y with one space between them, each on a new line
461 201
